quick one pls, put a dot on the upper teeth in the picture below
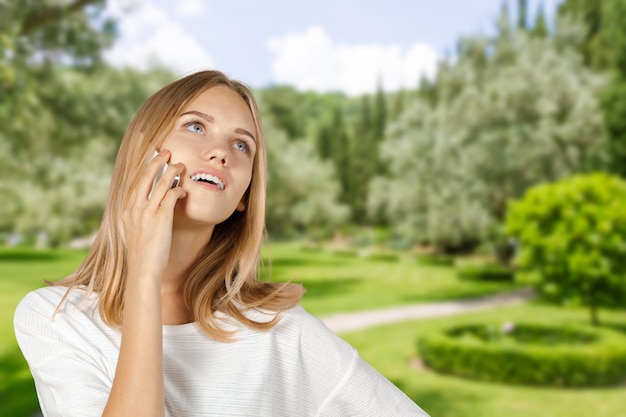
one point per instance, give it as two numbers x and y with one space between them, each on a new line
208 177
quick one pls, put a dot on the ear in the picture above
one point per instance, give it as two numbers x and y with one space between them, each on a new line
241 206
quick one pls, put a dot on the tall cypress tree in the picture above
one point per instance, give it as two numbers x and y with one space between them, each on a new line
397 106
593 47
540 27
379 116
324 142
364 162
614 96
522 14
340 155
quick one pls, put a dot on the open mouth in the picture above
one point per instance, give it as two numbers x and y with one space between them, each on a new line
209 179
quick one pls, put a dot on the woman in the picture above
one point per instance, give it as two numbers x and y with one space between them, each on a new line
166 316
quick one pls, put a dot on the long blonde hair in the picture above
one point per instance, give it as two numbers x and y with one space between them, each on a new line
225 276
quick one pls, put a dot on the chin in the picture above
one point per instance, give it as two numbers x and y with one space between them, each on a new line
199 215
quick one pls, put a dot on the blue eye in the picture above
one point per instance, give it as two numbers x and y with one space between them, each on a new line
241 146
195 127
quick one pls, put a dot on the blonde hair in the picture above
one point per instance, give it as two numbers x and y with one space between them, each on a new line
225 276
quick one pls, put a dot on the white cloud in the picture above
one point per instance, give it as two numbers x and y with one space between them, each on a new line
148 37
311 60
190 7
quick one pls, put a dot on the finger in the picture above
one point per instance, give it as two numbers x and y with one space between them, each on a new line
146 180
166 182
171 198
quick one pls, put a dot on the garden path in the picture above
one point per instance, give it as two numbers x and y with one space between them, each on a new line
339 323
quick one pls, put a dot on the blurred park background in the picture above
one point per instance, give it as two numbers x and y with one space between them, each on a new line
504 170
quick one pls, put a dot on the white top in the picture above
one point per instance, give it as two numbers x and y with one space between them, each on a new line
299 368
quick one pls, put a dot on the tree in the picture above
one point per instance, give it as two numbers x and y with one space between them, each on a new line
303 190
324 142
340 155
62 148
39 42
614 96
282 103
540 27
522 14
604 49
592 44
299 114
523 112
572 240
37 34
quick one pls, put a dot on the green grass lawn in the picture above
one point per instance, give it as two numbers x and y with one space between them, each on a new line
339 281
336 282
20 272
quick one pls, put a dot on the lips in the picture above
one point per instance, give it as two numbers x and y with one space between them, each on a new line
210 178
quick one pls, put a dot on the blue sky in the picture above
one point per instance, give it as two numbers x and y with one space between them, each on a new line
324 45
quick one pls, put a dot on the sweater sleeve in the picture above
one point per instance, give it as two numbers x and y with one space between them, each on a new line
72 377
365 392
347 385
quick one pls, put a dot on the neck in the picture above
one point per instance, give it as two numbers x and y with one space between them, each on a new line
188 241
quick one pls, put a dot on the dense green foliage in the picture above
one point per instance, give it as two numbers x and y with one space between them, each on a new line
37 34
528 354
60 119
512 111
60 148
302 192
604 49
572 240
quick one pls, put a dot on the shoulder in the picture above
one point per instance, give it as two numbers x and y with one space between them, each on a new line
52 320
42 300
38 307
46 300
314 336
298 319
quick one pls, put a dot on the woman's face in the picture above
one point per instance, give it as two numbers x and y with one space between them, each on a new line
215 138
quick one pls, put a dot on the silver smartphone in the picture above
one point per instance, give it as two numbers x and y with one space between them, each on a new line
159 174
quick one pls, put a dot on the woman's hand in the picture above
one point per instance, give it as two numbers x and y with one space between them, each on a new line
148 222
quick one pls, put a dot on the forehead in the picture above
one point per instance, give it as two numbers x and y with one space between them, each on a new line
222 103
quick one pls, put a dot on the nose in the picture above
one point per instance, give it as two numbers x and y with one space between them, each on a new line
217 152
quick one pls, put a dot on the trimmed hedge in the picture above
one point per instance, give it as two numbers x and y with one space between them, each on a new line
383 256
528 354
485 272
435 259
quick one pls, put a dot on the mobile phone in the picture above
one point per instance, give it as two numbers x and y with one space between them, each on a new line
159 174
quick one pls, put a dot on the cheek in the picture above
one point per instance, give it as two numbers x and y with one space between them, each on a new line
169 143
181 150
246 184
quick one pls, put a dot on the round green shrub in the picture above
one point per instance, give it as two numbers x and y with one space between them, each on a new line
528 354
572 240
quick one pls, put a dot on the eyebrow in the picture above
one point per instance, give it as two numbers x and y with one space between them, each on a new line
211 119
